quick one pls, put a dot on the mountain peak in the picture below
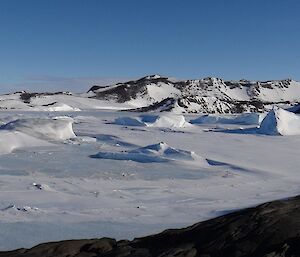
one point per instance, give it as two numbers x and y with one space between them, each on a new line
155 76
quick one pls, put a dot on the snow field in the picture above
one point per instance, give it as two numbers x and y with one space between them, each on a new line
144 178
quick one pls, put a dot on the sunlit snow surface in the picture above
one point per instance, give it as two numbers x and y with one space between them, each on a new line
58 188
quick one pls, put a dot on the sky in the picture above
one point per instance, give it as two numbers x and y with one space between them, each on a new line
73 44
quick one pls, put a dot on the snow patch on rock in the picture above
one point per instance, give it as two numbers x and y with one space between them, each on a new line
57 107
42 187
15 208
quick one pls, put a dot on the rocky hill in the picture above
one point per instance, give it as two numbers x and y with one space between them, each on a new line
269 230
208 95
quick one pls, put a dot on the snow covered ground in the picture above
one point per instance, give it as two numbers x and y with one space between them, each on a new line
118 174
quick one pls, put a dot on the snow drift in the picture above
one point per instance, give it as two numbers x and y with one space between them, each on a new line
10 141
59 128
280 122
242 119
170 121
160 152
167 120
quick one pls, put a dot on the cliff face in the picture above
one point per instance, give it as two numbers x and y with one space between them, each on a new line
269 230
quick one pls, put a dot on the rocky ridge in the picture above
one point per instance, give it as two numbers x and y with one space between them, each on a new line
208 95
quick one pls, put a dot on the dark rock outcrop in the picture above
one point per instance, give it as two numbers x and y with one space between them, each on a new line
26 97
123 92
165 105
269 230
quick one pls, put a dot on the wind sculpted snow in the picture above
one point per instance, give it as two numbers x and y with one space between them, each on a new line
32 132
49 182
280 122
160 152
166 120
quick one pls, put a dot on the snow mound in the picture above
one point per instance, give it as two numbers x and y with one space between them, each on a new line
11 140
169 121
160 152
164 150
163 120
280 122
243 119
59 128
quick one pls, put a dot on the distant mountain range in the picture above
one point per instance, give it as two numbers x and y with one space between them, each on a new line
157 93
208 95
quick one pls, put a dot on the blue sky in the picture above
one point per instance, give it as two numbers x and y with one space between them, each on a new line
71 44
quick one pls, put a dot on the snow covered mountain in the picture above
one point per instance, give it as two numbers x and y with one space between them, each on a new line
58 101
208 95
157 93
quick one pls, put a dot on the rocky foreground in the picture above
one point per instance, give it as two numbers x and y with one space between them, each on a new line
269 230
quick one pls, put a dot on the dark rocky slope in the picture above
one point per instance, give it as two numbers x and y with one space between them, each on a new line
269 230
